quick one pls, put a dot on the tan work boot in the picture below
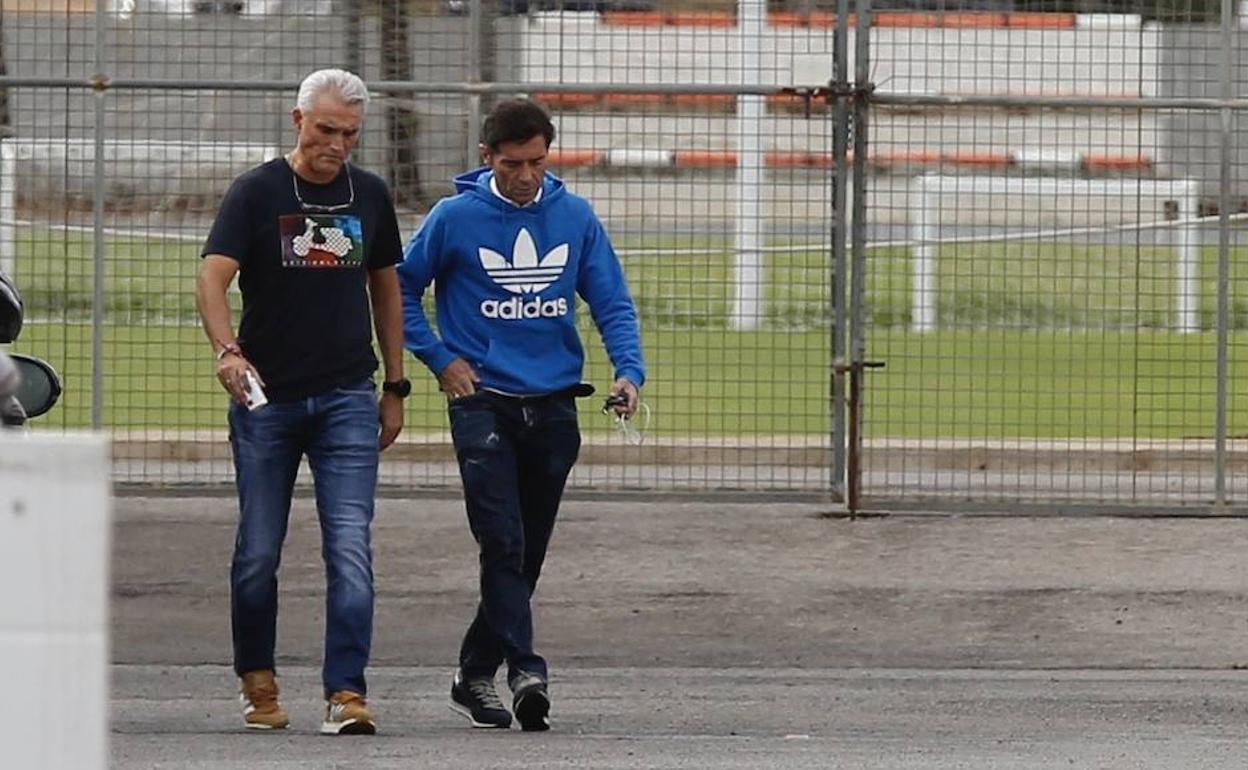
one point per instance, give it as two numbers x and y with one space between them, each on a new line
258 695
346 713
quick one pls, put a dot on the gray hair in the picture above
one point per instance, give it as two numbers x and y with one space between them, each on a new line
346 84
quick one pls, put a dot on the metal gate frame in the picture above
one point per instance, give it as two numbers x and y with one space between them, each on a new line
851 357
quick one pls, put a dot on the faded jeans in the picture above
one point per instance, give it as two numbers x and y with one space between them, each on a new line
338 431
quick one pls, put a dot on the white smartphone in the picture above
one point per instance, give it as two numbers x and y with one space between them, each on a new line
254 397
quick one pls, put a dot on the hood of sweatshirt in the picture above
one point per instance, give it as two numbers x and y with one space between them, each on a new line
477 184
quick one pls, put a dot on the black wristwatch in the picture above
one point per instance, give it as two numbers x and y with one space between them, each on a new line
401 387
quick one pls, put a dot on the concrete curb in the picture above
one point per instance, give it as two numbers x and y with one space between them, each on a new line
1073 456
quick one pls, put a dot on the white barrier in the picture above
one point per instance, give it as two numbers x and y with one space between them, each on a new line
54 556
998 202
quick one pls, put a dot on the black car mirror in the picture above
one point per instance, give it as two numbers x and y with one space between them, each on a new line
40 385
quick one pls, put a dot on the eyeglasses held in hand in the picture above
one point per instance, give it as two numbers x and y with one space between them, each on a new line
626 427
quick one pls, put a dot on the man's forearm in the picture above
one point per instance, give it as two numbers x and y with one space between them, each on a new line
388 322
214 312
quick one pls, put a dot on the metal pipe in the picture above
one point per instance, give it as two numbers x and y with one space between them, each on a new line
1058 102
858 245
97 222
1224 262
879 98
351 38
391 86
840 188
472 155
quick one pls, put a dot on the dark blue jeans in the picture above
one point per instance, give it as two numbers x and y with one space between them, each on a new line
514 457
338 431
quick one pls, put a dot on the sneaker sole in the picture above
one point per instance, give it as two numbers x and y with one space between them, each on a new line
467 713
532 711
349 727
256 726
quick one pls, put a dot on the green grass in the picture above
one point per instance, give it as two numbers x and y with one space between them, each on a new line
1035 341
1024 285
944 384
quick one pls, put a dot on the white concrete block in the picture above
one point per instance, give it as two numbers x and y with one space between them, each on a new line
55 513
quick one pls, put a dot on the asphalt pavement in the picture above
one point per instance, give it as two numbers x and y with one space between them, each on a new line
690 635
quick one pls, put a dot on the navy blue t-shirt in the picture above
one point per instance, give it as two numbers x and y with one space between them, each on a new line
306 325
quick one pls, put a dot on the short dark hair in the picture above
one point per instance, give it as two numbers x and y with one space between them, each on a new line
516 120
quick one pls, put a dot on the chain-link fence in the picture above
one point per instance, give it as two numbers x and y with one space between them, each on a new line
1035 229
1059 316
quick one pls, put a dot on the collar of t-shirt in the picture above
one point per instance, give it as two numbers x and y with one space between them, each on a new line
494 189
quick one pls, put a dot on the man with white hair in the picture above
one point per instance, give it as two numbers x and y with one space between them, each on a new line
314 242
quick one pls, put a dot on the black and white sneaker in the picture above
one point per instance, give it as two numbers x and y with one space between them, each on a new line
478 700
531 702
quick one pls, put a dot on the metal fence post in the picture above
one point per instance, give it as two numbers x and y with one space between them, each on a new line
472 155
1224 258
840 189
858 237
97 221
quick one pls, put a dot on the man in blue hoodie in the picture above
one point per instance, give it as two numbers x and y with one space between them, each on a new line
509 253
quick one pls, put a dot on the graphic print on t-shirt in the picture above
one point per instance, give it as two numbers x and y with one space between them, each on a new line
321 240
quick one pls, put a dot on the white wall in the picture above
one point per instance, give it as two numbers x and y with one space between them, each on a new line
579 48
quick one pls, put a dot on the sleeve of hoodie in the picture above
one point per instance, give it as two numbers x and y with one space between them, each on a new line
422 261
605 290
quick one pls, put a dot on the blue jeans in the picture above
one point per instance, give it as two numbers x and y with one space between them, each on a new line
514 457
338 431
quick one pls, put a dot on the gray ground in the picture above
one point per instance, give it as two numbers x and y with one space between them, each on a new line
723 636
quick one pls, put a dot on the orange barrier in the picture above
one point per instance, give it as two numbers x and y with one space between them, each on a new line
632 19
635 100
705 100
787 101
802 160
574 158
1102 163
812 20
824 20
973 20
700 19
1040 20
904 19
795 102
907 158
901 159
705 159
567 99
997 160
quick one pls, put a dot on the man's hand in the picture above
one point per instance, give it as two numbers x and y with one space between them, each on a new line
230 371
627 389
391 409
458 379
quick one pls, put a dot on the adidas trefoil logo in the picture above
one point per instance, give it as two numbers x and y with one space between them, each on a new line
525 274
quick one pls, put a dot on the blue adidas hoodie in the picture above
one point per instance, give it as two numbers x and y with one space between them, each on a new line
507 279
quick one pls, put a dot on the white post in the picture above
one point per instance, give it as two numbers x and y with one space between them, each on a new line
747 309
1187 269
54 556
925 232
8 207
